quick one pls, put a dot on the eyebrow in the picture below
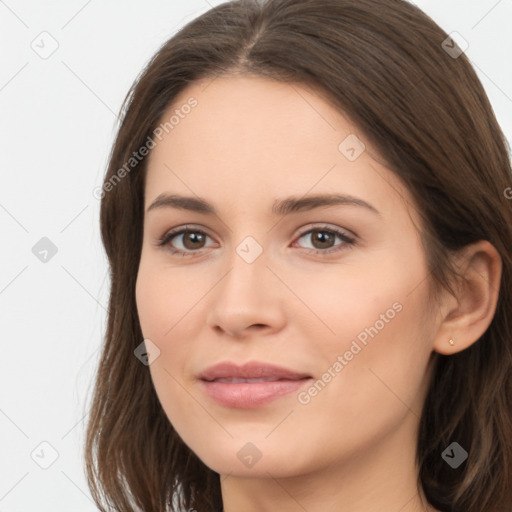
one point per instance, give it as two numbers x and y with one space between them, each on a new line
280 206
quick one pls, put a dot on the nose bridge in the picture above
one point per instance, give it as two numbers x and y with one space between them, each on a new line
248 271
244 296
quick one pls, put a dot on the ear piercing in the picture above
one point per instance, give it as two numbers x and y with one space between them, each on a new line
451 342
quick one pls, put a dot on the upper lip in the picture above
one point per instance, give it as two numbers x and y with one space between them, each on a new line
250 370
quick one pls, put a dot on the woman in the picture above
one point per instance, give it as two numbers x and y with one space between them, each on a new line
309 233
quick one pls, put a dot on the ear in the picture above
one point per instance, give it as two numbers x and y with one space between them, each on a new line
467 316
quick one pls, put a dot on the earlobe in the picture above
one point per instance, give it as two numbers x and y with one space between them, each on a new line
468 317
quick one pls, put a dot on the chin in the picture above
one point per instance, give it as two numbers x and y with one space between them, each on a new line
258 458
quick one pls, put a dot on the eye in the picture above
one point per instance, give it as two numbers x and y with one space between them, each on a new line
323 238
192 240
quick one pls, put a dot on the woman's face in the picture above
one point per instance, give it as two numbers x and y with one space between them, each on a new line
268 280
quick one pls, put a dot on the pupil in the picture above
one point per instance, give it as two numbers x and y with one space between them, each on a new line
323 238
195 237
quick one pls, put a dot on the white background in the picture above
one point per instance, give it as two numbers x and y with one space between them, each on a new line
58 119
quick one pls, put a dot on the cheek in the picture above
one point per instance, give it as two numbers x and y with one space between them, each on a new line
335 308
165 301
147 298
378 385
159 316
327 312
379 357
167 306
378 346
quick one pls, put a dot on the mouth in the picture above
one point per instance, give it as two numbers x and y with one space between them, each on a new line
238 381
251 385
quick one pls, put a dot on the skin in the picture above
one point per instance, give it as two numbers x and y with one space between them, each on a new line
248 142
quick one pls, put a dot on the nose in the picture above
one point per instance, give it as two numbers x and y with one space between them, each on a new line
248 299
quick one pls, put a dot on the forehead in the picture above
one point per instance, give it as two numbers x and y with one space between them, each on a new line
251 111
252 136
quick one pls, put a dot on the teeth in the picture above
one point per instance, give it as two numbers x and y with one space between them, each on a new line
238 381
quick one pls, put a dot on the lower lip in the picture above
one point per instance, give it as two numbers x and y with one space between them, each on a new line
249 395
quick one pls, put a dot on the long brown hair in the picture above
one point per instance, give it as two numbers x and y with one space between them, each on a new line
385 66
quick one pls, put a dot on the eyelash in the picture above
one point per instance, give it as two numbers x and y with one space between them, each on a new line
164 241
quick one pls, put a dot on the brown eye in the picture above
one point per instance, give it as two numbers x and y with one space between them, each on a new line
323 240
191 240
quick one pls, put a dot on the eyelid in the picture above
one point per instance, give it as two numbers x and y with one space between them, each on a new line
163 240
323 226
347 237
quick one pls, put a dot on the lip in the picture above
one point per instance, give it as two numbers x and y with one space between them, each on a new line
278 381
